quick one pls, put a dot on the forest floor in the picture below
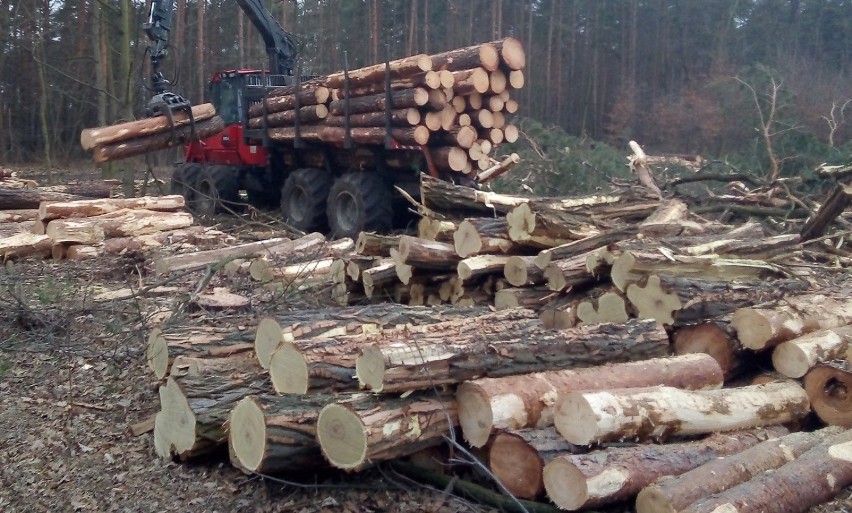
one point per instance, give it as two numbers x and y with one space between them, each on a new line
73 380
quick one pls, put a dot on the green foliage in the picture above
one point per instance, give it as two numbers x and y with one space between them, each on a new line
554 163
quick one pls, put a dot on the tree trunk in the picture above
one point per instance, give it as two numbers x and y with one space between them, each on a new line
494 349
675 493
92 137
95 207
585 418
74 231
576 481
481 265
814 477
352 434
18 216
158 141
484 235
521 271
583 246
525 401
828 388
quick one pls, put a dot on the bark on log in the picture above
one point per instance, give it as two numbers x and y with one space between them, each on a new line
582 246
24 245
399 118
796 357
826 469
443 196
95 207
715 338
159 141
495 171
477 350
314 96
533 298
164 347
511 53
836 202
308 115
18 198
483 235
480 266
526 401
521 271
578 481
77 231
269 434
763 328
374 244
120 223
402 99
353 434
194 410
426 254
675 493
418 135
569 272
399 68
483 55
828 388
92 137
585 418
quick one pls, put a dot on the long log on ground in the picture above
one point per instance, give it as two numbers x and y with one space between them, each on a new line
517 458
194 410
77 231
18 216
501 349
159 141
674 493
582 246
268 434
525 401
796 357
121 223
96 207
201 259
399 68
118 245
331 363
763 328
813 478
340 322
18 198
443 196
585 418
92 137
353 434
23 245
576 481
163 347
264 271
828 387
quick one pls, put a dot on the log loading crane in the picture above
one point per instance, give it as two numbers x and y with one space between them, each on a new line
318 187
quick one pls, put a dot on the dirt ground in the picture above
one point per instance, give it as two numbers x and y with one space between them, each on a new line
73 379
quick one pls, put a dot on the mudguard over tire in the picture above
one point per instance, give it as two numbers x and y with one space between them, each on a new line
218 190
360 201
303 199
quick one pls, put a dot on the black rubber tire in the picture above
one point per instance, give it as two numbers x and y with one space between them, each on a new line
360 201
303 199
185 180
218 190
264 200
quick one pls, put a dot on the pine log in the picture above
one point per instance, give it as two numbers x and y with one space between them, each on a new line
24 245
498 169
236 363
264 271
339 322
471 81
353 434
569 272
443 196
814 477
92 137
526 401
674 493
76 231
121 245
483 235
521 297
481 265
194 409
201 259
269 434
376 278
585 418
18 198
796 357
582 246
120 223
163 348
497 349
18 216
482 55
517 458
428 79
398 118
828 388
427 254
308 114
48 211
449 158
763 328
521 271
401 99
715 338
576 481
299 366
374 244
516 80
837 201
418 135
511 53
313 96
399 68
158 141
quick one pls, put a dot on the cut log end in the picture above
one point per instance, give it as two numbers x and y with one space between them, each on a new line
652 302
288 370
266 340
341 435
582 427
517 465
175 424
247 435
475 415
370 369
753 328
566 485
157 353
828 388
653 500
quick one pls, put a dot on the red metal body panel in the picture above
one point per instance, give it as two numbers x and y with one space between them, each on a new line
227 148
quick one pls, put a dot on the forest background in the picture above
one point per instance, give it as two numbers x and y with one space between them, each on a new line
759 86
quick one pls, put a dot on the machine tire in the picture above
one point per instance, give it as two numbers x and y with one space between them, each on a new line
185 181
218 190
303 199
359 201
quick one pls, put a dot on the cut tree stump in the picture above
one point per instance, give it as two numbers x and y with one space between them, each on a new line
796 357
586 418
474 349
356 433
576 481
528 400
828 387
674 493
816 476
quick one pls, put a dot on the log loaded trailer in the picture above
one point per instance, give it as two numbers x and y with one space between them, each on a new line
329 150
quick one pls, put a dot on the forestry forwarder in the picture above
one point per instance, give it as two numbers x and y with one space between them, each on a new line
319 187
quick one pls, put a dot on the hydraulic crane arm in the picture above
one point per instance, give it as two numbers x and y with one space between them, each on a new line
279 44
